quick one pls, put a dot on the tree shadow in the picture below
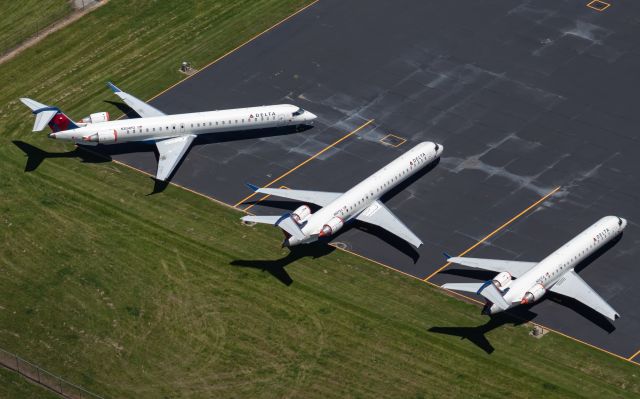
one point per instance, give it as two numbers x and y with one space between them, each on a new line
276 267
35 156
477 334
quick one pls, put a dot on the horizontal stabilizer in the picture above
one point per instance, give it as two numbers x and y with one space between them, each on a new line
486 289
44 113
285 222
43 118
489 291
466 287
33 104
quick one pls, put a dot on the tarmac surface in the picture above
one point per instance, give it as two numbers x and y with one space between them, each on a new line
525 96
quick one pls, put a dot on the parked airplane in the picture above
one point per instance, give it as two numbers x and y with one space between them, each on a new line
554 273
172 134
361 202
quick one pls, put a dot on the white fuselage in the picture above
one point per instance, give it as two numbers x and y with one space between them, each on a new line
551 269
163 127
364 194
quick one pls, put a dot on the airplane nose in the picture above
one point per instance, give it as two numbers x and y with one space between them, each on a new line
52 135
439 149
624 223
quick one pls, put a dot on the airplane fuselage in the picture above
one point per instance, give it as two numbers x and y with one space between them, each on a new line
362 196
163 127
549 271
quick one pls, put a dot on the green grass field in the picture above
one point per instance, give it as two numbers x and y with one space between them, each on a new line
14 386
25 18
139 296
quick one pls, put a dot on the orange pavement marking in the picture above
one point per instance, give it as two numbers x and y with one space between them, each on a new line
634 355
367 123
494 232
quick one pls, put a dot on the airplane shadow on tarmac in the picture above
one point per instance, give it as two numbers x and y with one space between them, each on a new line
576 306
393 240
276 267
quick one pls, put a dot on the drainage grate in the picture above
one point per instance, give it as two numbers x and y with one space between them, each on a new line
393 140
598 5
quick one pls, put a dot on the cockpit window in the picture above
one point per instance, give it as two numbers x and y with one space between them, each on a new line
437 147
299 111
619 222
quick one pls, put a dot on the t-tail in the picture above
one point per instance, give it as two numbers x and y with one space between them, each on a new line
488 290
51 116
292 233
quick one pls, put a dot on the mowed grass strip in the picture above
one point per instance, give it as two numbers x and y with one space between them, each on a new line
26 18
168 295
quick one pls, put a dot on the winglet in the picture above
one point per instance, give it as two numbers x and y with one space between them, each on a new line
253 187
447 256
113 87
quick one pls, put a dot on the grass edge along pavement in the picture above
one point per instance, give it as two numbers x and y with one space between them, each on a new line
129 295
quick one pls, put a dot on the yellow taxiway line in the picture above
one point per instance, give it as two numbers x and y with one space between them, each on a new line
494 232
351 133
345 250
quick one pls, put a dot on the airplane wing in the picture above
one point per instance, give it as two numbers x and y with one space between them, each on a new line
575 287
515 268
143 109
321 198
379 215
170 152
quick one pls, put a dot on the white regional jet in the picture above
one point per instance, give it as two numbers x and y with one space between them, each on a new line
172 134
554 273
361 202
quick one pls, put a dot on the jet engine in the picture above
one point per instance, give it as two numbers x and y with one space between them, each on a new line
103 137
334 224
301 214
533 294
98 117
502 280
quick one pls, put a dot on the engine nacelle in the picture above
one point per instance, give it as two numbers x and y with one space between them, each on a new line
98 117
103 137
502 280
533 294
334 224
301 214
